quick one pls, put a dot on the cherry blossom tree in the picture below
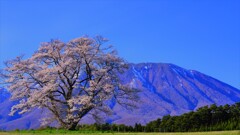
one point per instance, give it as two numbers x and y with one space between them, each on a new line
69 80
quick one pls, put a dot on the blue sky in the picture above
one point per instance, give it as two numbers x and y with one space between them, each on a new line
203 35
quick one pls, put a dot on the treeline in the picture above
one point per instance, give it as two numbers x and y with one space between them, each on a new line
213 118
207 118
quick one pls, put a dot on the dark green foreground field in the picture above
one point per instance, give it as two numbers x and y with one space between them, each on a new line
99 133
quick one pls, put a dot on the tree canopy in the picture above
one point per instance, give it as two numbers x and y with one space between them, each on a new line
69 79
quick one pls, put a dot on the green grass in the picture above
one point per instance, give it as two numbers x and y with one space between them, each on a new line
63 132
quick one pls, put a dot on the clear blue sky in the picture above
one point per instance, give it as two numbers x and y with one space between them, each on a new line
195 34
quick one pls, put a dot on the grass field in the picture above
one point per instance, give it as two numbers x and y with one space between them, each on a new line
99 133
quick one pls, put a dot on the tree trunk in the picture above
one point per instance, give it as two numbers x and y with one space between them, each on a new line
73 126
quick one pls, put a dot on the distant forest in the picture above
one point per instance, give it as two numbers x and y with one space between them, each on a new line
213 118
207 118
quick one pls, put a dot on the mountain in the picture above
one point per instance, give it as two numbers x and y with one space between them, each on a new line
4 94
169 89
5 107
165 89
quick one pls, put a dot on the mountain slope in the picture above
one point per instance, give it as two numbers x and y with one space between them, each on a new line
174 84
165 89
